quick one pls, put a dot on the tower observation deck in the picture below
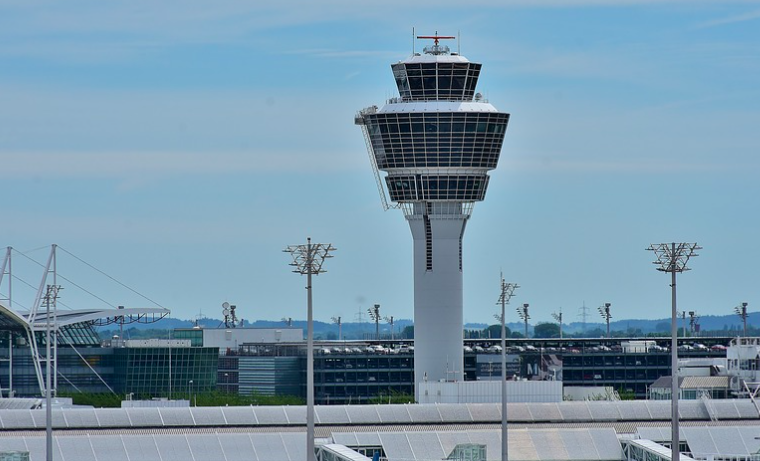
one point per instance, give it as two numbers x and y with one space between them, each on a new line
436 143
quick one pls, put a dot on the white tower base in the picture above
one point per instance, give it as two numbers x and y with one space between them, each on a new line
438 318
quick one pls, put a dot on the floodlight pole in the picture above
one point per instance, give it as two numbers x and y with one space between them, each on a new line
308 259
604 310
558 317
672 257
338 321
523 313
507 291
374 314
50 298
741 311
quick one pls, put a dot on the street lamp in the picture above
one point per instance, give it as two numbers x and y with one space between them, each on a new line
374 314
191 391
672 257
604 311
308 259
741 311
523 313
507 291
558 317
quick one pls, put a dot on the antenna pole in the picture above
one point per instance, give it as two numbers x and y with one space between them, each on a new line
412 40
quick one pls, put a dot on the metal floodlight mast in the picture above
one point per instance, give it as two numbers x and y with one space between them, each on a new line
308 260
390 322
558 318
673 257
524 316
507 291
374 314
741 311
336 320
51 296
604 311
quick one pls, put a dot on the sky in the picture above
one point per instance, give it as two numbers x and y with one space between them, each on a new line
180 146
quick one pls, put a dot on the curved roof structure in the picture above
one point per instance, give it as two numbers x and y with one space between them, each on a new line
14 319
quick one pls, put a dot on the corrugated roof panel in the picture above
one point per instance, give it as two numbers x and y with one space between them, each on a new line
393 413
692 409
607 444
108 448
659 409
368 439
364 413
206 447
238 447
604 411
13 444
424 413
177 416
173 447
632 410
521 446
295 444
112 417
208 416
545 412
574 411
269 447
482 412
240 416
724 409
656 434
517 412
141 447
396 446
17 419
746 408
700 440
80 417
426 445
549 445
76 448
39 417
455 413
142 417
332 414
578 444
294 414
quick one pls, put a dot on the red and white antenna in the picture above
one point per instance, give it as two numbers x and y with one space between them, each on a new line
436 37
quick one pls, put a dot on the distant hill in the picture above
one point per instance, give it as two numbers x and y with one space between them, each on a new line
726 324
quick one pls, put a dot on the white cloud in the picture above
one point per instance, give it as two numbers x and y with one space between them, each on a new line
748 16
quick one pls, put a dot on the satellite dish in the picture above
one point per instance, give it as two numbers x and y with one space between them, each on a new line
225 305
226 312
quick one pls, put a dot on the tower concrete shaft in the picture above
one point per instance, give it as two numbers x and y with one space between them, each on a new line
436 143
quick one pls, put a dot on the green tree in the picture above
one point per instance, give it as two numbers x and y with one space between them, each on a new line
494 331
546 330
408 332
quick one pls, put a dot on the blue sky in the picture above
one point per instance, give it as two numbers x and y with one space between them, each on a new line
179 146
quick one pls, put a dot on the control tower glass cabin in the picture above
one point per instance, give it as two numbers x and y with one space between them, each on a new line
436 142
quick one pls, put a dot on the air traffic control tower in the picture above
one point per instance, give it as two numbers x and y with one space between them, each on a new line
436 142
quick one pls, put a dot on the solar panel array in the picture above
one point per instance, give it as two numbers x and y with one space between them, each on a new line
632 411
524 444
